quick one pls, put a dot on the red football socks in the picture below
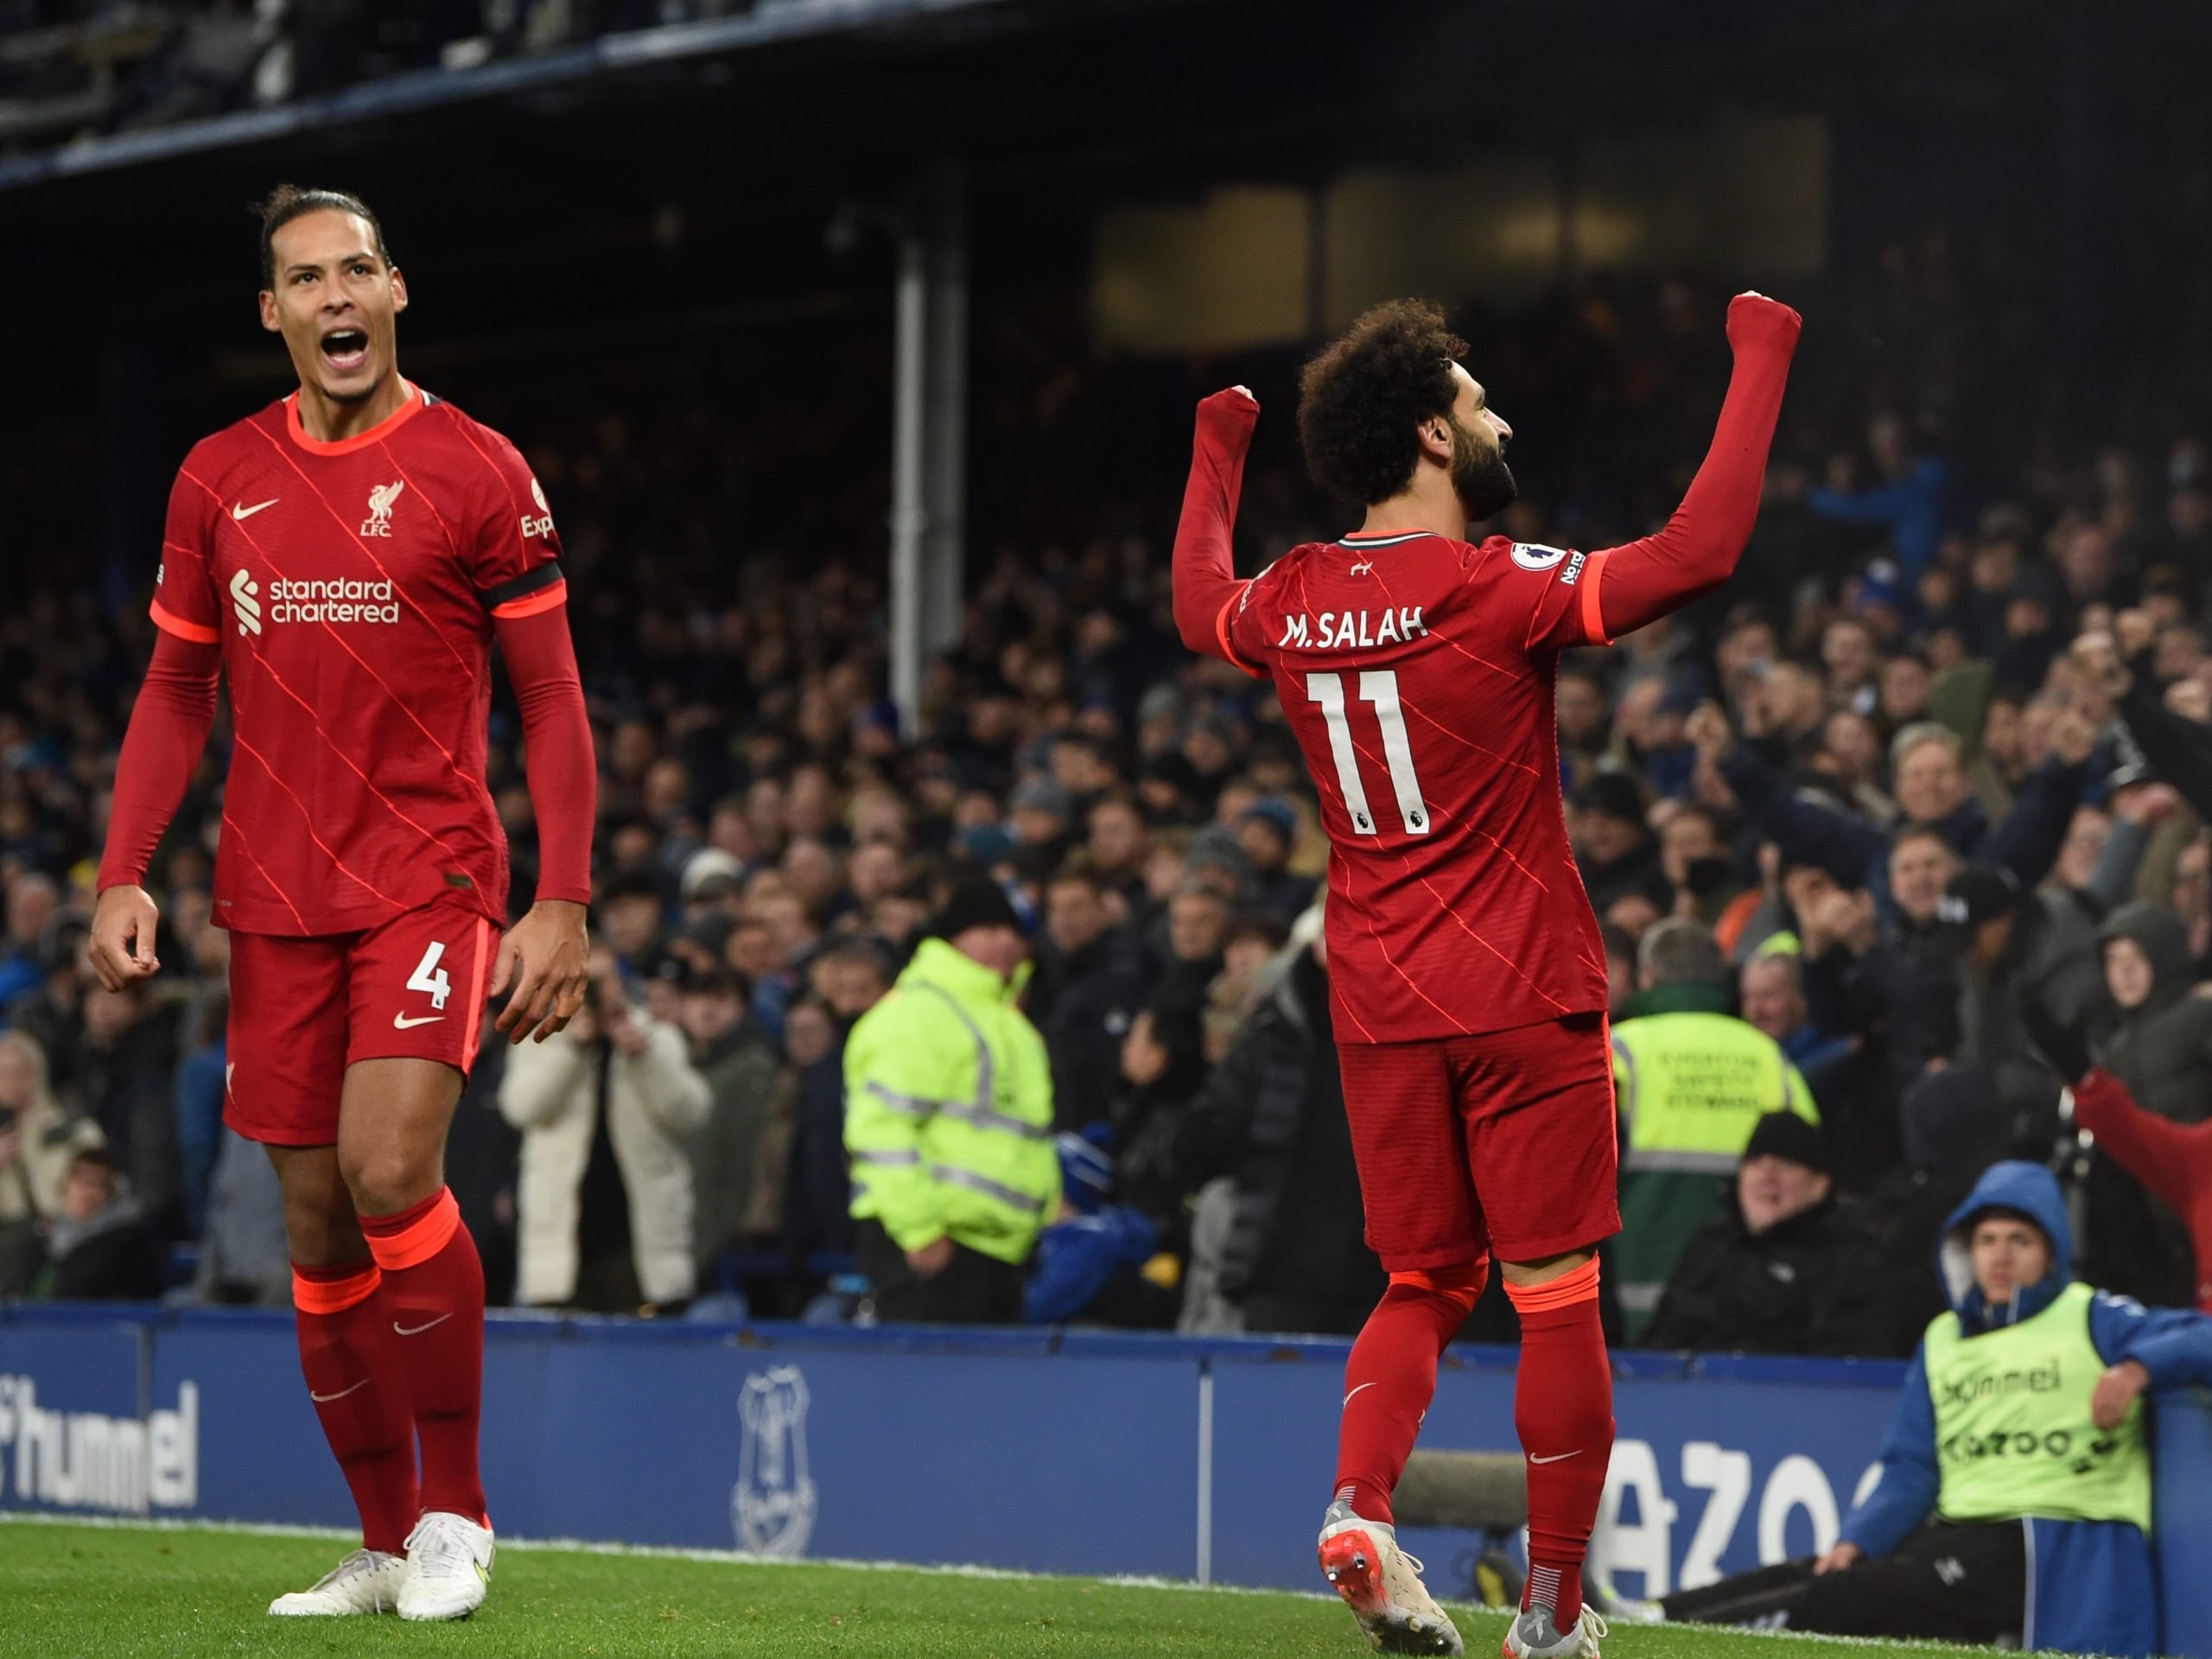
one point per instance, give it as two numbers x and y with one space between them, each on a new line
434 1298
1563 1408
347 1355
1391 1378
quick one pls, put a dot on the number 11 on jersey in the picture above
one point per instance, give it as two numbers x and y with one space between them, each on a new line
1380 688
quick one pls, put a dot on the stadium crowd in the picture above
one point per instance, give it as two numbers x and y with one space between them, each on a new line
1930 775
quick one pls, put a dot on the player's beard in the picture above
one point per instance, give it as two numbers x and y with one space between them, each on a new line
1481 478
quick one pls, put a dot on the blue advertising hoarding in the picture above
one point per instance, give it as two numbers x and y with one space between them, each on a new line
1091 1454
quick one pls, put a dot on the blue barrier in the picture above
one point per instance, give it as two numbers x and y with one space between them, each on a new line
1048 1451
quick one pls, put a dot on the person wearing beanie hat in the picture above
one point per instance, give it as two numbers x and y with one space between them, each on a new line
948 1123
1783 1270
1616 849
1268 831
981 905
1039 812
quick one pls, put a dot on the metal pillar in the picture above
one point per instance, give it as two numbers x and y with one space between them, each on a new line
929 453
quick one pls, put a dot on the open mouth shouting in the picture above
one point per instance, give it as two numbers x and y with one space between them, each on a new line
346 350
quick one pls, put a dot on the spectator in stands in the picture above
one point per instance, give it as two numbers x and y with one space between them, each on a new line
1249 945
630 914
2013 945
1953 1128
1196 933
202 1084
1771 989
737 1143
2172 1160
2159 1051
1585 725
1120 843
1693 1082
102 1247
1908 502
1271 1119
1094 979
128 1086
33 898
1784 1271
53 1013
1268 830
38 1139
948 1120
1618 854
2049 1547
1931 793
244 1255
606 1109
1892 980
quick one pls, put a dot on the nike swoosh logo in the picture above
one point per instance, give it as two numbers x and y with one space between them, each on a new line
1361 1389
1562 1457
324 1399
417 1331
239 509
404 1023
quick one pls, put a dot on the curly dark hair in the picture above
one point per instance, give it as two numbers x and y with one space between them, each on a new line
288 202
1361 400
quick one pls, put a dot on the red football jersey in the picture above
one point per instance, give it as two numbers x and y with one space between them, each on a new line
1417 673
351 586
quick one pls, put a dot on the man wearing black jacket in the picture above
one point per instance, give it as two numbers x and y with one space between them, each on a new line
1784 1271
1272 1116
1094 984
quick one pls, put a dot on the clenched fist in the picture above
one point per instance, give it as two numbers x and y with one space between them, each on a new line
121 947
1754 320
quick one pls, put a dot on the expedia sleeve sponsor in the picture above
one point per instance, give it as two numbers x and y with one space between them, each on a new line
2013 1435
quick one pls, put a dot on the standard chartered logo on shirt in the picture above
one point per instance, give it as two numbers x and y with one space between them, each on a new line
342 601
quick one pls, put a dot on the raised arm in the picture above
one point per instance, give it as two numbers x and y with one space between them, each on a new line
1641 582
161 750
1205 572
2173 1160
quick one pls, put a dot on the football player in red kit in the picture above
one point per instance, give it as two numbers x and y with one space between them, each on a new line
1468 978
347 556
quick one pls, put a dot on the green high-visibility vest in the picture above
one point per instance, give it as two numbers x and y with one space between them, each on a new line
949 1111
1691 1086
2012 1430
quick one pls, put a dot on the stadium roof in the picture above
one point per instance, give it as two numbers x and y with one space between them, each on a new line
778 23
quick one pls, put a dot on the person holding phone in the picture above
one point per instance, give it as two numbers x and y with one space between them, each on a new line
606 1109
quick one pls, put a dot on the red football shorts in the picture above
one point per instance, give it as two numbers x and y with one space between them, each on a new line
304 1009
1504 1143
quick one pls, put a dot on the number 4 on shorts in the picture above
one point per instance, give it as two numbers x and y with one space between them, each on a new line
429 976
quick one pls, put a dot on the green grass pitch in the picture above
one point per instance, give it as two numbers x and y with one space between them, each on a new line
182 1593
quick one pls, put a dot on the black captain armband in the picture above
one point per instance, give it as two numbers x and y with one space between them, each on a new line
536 589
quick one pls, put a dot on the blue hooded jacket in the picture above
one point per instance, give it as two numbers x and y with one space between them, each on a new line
2091 1586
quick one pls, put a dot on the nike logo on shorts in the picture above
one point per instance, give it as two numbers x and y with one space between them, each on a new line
1560 1457
325 1399
403 1023
417 1330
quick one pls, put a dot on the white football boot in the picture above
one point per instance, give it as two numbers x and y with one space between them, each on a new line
1381 1585
449 1567
1534 1636
367 1582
